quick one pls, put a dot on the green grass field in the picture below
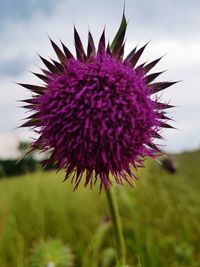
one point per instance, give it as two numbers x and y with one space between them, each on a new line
160 217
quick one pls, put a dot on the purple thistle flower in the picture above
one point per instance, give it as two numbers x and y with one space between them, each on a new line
95 112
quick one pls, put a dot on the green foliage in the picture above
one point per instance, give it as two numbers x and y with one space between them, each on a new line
11 244
160 218
10 168
51 253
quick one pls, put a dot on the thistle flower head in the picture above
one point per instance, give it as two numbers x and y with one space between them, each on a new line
95 112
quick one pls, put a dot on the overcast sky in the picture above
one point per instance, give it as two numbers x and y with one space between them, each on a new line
172 26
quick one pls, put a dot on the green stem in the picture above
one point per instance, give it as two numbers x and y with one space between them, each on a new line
117 227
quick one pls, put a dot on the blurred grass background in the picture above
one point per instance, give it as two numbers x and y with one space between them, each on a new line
160 217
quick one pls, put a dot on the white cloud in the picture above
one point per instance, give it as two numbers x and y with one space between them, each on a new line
8 145
25 38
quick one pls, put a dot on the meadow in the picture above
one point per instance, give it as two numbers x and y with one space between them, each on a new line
160 217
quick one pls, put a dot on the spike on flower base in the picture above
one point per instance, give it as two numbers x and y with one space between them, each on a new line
95 112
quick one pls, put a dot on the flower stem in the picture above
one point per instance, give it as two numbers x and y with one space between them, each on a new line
117 227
